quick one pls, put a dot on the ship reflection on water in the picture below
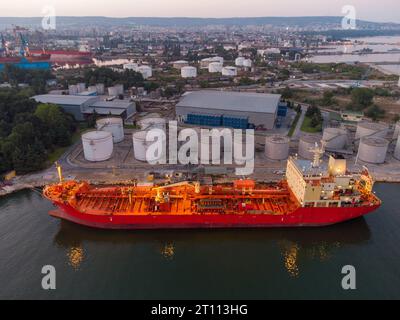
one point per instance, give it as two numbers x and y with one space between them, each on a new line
295 246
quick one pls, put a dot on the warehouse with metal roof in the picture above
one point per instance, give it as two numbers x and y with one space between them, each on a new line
82 106
229 109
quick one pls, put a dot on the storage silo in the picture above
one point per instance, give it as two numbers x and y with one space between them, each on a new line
189 72
100 88
141 147
113 125
215 67
152 123
229 71
396 130
247 63
306 143
371 129
239 61
81 87
112 91
373 150
397 149
97 145
335 138
119 88
277 147
72 89
146 71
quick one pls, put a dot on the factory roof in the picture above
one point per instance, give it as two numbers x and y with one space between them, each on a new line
121 104
63 99
234 101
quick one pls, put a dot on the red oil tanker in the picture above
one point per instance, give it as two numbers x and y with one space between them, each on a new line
309 196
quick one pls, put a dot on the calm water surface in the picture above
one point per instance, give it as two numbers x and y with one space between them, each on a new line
228 264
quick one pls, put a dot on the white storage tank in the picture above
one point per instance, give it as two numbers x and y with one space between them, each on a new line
152 123
239 61
277 147
112 91
97 145
189 72
92 89
141 146
397 149
371 129
72 89
81 87
306 143
119 88
100 88
229 71
146 71
335 138
247 63
113 125
215 67
373 150
396 130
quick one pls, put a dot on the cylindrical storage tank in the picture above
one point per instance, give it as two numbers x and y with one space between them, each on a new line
247 63
112 91
229 71
92 89
97 145
396 130
113 125
397 149
306 143
100 88
72 89
373 150
141 146
239 61
371 129
218 59
81 87
335 138
146 71
119 88
277 147
215 67
189 72
152 123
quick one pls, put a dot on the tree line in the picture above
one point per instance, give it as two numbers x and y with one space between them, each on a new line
30 131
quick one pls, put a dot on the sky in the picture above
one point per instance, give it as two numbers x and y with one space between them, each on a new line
373 10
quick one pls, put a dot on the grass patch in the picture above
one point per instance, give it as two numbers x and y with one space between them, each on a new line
306 126
294 124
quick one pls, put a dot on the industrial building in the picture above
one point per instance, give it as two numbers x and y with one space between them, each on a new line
82 106
240 110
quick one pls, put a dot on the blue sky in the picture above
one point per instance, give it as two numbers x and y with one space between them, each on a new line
382 10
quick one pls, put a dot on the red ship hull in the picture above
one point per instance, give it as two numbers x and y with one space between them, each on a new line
302 217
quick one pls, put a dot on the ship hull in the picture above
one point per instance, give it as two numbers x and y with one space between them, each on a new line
302 217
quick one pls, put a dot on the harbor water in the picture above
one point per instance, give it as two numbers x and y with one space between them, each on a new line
208 264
